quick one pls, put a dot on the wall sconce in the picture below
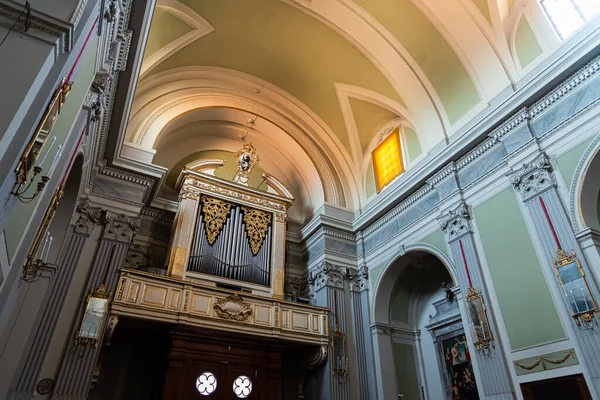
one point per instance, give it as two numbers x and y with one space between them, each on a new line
482 334
34 267
575 287
339 364
27 169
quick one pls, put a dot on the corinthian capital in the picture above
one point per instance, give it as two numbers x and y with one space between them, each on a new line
456 223
533 178
120 227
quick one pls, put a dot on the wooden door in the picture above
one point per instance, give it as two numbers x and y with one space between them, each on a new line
572 387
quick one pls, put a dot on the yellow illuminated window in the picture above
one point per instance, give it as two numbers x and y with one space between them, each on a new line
387 160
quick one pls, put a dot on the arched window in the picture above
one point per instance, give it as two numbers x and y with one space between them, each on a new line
569 15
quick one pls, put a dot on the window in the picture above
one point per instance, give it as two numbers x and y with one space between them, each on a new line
242 387
569 15
206 383
387 160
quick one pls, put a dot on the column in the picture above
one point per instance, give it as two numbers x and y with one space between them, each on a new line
78 364
327 290
183 231
535 185
383 349
27 374
490 365
278 259
364 363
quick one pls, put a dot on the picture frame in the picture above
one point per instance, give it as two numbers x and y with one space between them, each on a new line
339 361
482 333
573 282
94 315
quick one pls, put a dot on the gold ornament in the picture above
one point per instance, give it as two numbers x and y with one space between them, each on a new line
215 213
257 224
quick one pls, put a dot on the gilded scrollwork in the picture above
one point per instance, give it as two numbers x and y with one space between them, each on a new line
215 213
257 224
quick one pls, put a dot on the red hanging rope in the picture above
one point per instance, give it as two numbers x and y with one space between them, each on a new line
108 265
81 52
549 222
335 308
462 252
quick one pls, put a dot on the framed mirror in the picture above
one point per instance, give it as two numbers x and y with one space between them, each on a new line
482 334
41 135
575 287
96 309
338 349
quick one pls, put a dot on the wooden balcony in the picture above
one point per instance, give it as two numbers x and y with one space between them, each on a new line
164 299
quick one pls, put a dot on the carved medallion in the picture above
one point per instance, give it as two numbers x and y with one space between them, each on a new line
45 386
233 307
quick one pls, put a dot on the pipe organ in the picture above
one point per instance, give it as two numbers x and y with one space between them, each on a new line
227 233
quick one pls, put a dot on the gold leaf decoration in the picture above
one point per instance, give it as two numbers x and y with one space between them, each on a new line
257 224
215 213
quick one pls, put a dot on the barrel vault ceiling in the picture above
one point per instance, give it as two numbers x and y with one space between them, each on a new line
316 83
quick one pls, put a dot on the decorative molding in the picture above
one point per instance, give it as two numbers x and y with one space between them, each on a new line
135 257
119 227
326 274
533 178
85 218
456 223
359 279
545 362
233 307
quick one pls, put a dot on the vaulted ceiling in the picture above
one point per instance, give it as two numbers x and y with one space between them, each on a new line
317 83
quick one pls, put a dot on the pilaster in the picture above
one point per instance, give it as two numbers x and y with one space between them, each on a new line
491 369
183 232
535 184
78 364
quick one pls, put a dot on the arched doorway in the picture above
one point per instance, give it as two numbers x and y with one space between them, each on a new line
420 344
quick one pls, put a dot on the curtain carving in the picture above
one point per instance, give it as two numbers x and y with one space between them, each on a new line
215 213
257 223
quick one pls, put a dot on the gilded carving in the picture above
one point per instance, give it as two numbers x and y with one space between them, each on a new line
233 307
121 289
215 213
545 359
257 224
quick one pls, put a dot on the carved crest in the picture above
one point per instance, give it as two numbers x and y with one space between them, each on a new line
215 213
246 159
257 224
233 307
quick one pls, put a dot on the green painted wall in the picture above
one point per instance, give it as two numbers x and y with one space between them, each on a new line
369 119
437 239
449 77
226 172
285 46
400 301
21 213
526 44
482 5
374 274
529 313
370 186
413 146
165 29
567 163
406 371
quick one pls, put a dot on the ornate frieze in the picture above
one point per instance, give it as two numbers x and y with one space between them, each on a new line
119 227
534 177
456 223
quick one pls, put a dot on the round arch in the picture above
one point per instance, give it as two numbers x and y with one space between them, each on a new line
585 190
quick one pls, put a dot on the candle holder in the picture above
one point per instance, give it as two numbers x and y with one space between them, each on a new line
572 279
482 334
27 171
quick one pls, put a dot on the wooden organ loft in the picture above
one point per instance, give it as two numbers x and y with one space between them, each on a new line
223 296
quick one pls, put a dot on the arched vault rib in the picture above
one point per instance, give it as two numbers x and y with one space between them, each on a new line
163 97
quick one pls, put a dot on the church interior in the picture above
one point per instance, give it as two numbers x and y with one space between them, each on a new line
300 199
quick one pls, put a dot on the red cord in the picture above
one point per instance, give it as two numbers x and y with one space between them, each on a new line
335 308
81 52
549 222
462 251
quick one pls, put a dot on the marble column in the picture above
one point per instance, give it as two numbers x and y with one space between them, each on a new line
327 290
535 185
364 363
27 374
183 231
77 367
491 368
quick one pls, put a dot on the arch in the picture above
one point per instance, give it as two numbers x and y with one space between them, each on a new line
386 282
164 97
585 190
